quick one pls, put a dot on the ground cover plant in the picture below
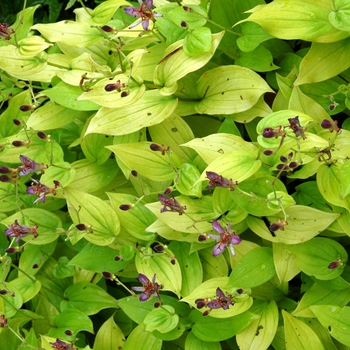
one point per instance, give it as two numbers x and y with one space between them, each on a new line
175 175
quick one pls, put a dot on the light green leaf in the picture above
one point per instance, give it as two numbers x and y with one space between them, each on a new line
109 336
149 110
253 36
62 172
260 333
253 269
298 335
213 266
340 16
140 339
12 301
138 156
162 319
344 176
324 61
194 17
79 34
336 320
197 42
87 298
300 19
103 13
192 342
313 257
229 89
215 145
95 214
286 268
93 146
28 287
186 178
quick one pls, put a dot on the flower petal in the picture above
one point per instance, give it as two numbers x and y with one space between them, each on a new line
235 239
144 296
217 227
132 11
145 24
149 3
214 304
143 279
218 249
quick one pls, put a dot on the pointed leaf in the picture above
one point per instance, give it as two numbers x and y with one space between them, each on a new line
140 339
197 42
109 336
162 319
192 342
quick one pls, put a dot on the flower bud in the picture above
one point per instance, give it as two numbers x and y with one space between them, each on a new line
42 135
17 122
117 258
124 94
157 304
3 291
11 250
26 108
268 133
68 332
125 207
81 227
268 152
333 265
293 165
107 275
173 261
5 170
5 178
183 24
202 238
18 143
35 266
283 159
167 190
134 173
107 29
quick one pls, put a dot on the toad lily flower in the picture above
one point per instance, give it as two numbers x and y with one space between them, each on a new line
144 12
148 288
40 190
30 166
226 239
20 231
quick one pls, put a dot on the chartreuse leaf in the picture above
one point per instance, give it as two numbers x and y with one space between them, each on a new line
236 165
192 342
335 319
28 287
305 20
176 63
62 172
93 146
193 16
213 266
78 34
314 257
298 335
95 214
212 329
260 333
229 89
48 224
324 61
13 301
162 319
320 295
138 156
73 320
304 223
215 145
135 220
344 175
109 336
197 42
253 36
186 180
152 108
340 16
103 13
141 339
190 265
88 298
253 269
286 268
167 273
208 290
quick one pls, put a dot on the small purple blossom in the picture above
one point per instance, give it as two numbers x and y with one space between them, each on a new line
5 32
148 288
30 166
60 345
298 130
20 231
226 238
144 12
217 180
40 190
170 204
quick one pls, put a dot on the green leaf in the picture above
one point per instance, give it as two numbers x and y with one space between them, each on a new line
344 175
162 319
260 333
87 298
286 268
186 178
255 268
197 42
73 320
298 335
152 108
140 339
95 214
305 20
69 32
253 36
324 61
138 156
229 89
313 257
27 286
213 266
192 342
105 11
336 320
167 273
194 17
212 329
340 16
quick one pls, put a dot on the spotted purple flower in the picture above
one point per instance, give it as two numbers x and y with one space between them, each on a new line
30 166
144 12
148 288
20 231
170 204
40 190
298 130
217 180
226 238
5 32
60 345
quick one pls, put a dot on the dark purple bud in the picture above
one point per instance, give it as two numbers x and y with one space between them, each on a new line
173 261
57 183
268 133
107 29
26 108
200 303
11 250
18 143
332 107
157 304
167 190
326 124
202 238
5 170
188 9
111 87
293 165
118 258
156 148
282 167
206 313
268 152
333 265
158 248
13 294
283 159
134 173
240 291
68 332
183 24
107 275
17 122
124 94
5 178
125 207
35 266
42 135
274 227
3 291
81 227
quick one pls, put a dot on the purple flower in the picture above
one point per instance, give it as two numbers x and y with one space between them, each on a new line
170 204
148 288
60 345
30 166
5 32
144 12
226 239
217 180
20 231
298 130
40 190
